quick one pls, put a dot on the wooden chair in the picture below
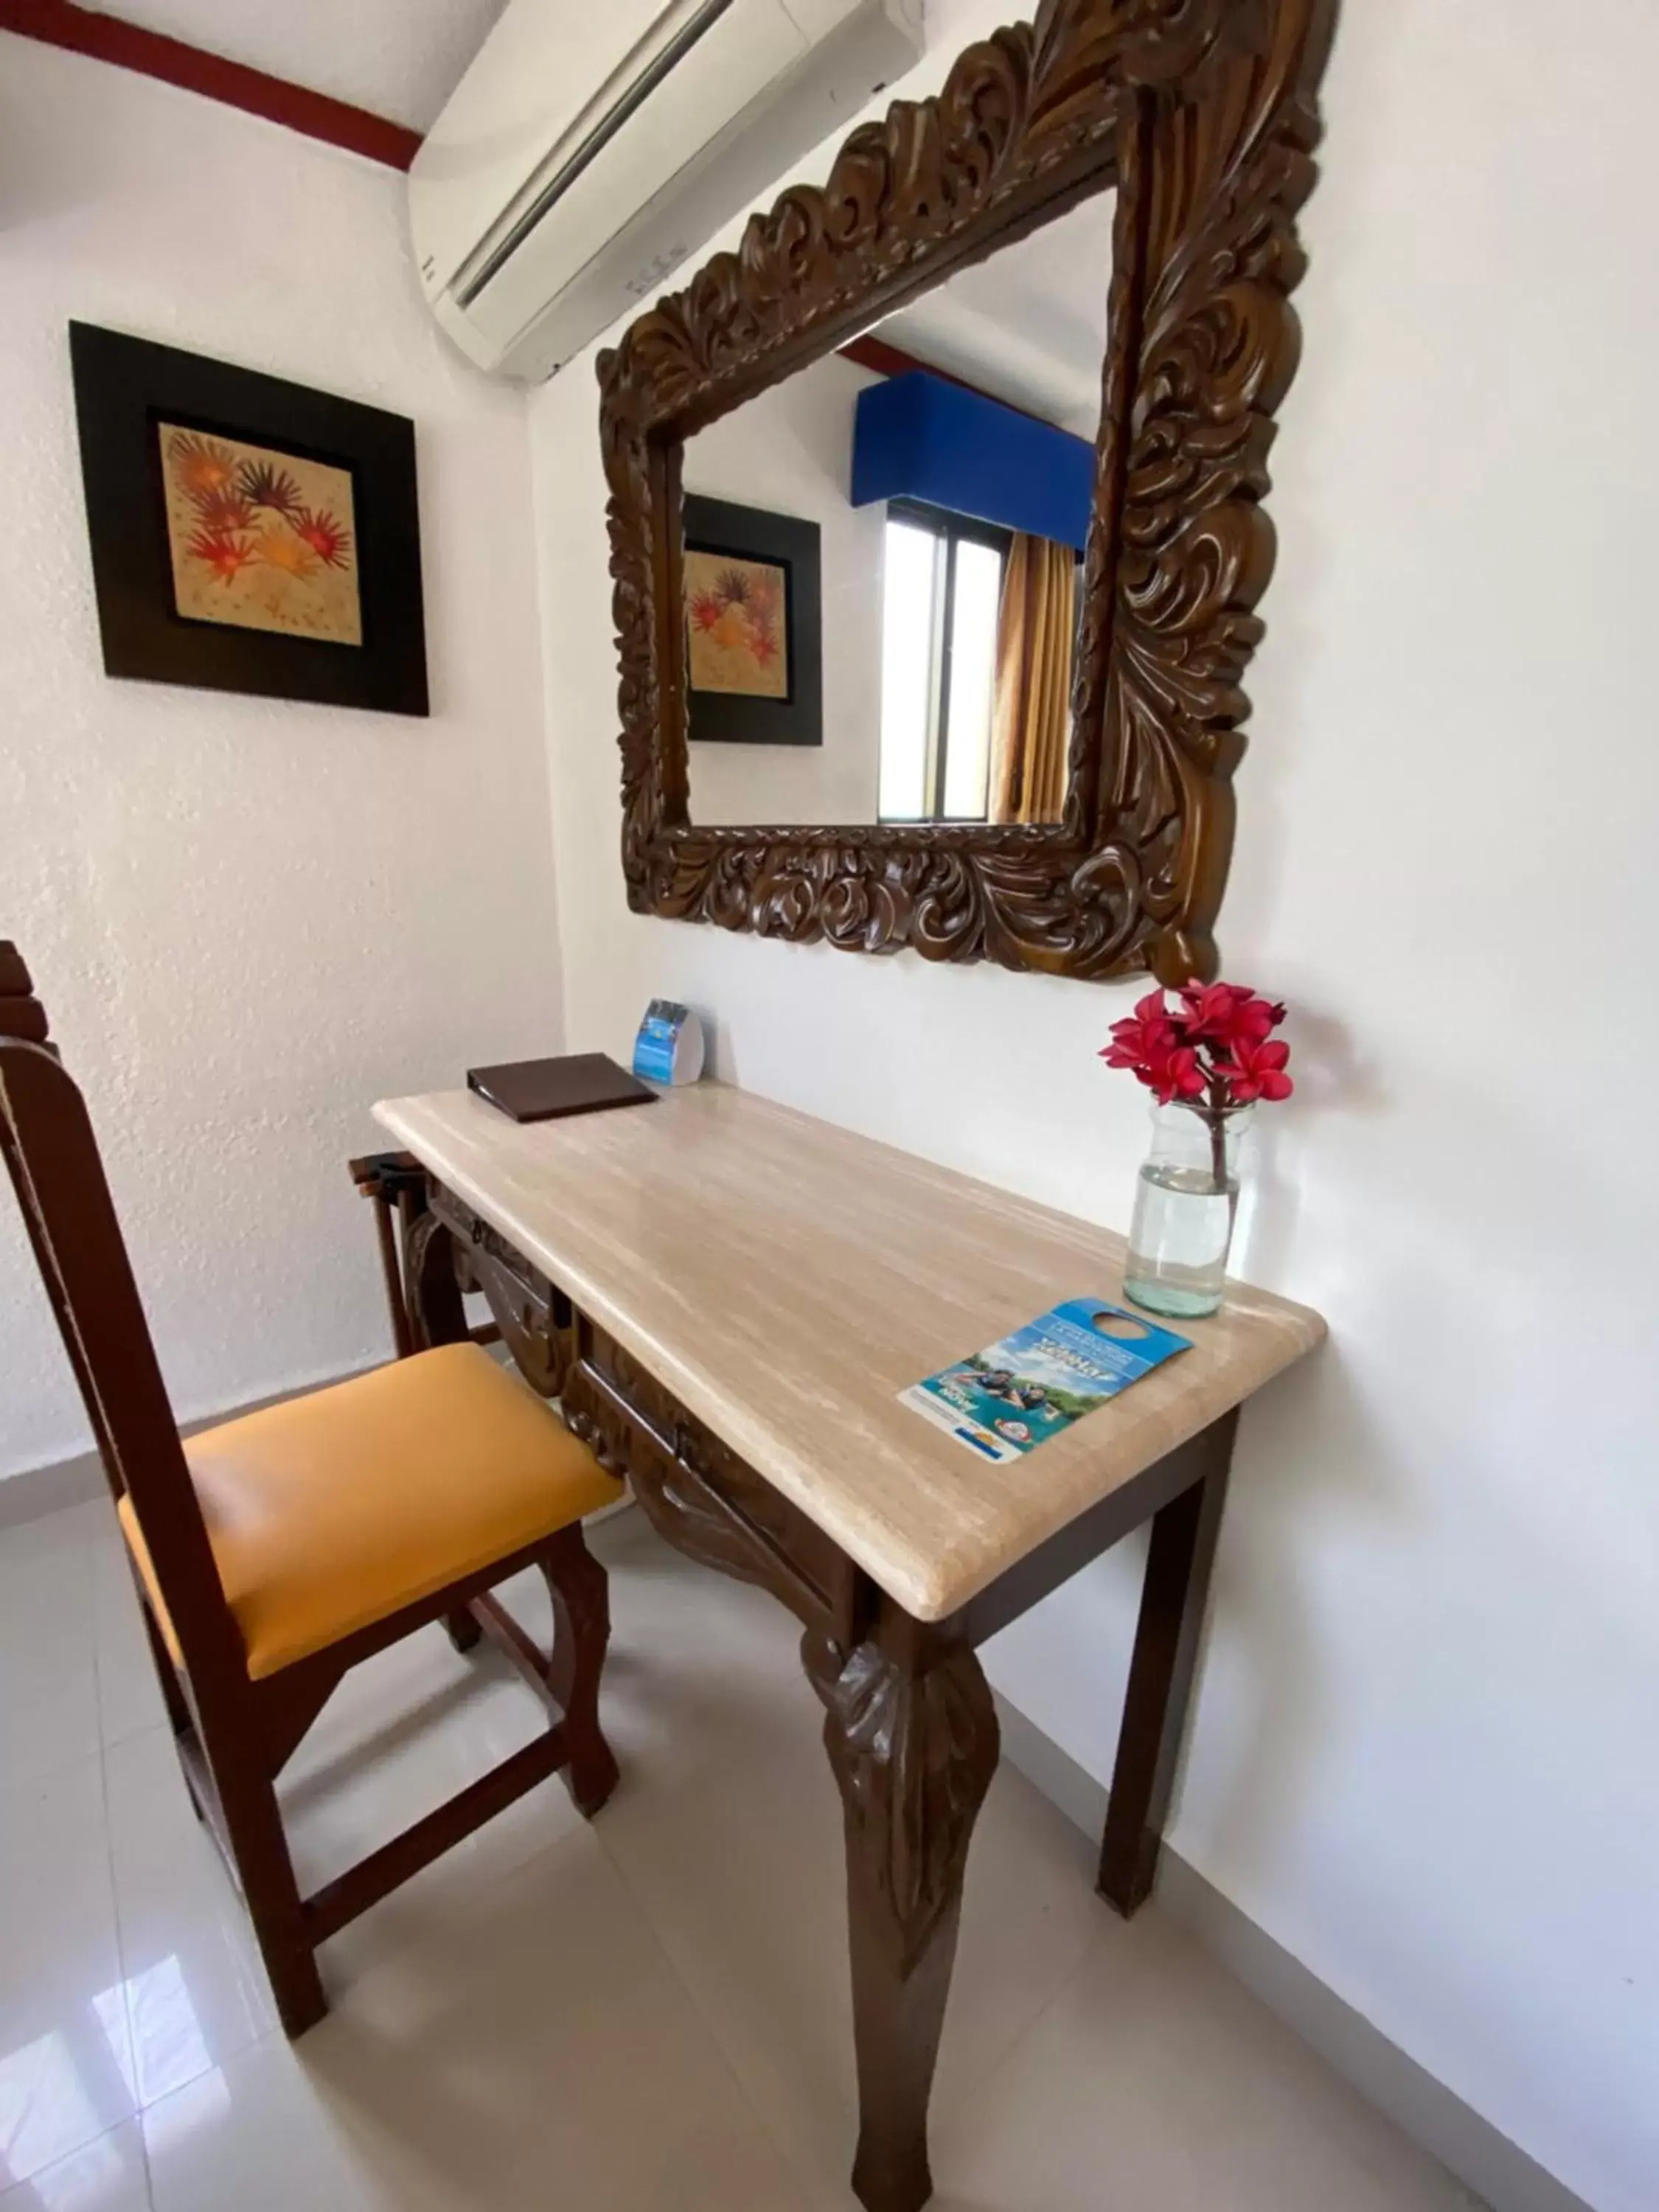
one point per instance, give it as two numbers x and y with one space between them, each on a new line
275 1552
395 1186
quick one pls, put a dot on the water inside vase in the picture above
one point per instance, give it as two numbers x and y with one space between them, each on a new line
1178 1243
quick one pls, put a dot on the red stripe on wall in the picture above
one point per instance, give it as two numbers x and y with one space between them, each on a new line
875 353
871 352
106 38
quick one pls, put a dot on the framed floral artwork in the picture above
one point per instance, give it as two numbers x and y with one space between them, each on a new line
753 620
248 534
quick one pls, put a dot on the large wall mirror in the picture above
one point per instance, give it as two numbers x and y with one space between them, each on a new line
943 466
936 515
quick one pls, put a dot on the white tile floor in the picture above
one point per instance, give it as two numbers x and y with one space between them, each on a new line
648 2015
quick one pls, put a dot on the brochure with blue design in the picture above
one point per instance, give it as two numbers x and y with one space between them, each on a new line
669 1047
1005 1401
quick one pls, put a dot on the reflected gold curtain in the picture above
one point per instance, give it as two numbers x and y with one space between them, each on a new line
1031 717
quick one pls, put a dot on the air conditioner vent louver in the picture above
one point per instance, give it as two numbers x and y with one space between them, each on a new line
588 152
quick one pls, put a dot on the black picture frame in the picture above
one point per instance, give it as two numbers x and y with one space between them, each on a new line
123 387
751 533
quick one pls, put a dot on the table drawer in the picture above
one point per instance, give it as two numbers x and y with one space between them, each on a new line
718 1506
534 1316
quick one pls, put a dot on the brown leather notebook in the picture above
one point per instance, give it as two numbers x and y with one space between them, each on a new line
543 1089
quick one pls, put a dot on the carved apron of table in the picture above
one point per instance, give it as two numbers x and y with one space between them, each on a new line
910 1723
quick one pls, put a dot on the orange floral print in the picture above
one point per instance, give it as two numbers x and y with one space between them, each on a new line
280 549
205 469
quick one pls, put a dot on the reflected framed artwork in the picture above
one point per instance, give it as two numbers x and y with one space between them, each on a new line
248 534
754 620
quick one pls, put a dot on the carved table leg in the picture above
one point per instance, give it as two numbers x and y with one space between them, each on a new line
911 1732
1173 1596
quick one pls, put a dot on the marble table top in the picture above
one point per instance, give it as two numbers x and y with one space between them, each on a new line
786 1279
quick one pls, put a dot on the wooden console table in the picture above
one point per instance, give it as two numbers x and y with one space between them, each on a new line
728 1297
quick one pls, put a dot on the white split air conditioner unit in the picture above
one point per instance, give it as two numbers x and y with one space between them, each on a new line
594 145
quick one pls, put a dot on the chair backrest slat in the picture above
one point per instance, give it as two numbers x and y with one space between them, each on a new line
52 1154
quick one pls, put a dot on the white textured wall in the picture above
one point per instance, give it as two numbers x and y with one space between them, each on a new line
790 450
1426 1756
248 918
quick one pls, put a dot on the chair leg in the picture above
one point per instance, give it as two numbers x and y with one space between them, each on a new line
462 1629
253 1828
580 1592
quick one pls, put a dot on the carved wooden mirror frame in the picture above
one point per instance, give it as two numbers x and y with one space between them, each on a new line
1202 113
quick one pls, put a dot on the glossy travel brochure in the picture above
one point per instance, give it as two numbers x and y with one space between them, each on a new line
669 1048
1005 1401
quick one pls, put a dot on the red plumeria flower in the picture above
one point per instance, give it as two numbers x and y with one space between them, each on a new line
1257 1071
1224 1012
1211 1051
1254 1020
1142 1038
1141 1044
1209 1010
1176 1075
1151 1044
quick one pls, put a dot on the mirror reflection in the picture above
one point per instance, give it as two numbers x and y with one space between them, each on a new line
883 557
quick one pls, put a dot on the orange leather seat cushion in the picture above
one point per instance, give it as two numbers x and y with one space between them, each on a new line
333 1510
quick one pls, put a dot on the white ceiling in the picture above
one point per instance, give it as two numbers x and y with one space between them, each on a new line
1029 326
400 58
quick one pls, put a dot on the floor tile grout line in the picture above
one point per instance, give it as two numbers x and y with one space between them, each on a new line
142 2103
937 2111
82 1548
1089 1956
785 2151
33 1777
967 2091
97 1655
122 1964
135 2118
810 2181
13 2190
1091 1950
105 1738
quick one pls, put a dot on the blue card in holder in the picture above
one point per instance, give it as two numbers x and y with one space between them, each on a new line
669 1046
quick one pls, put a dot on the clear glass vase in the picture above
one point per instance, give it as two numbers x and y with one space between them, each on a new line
1185 1204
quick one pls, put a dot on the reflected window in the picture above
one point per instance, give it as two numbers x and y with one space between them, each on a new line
165 2028
47 2110
941 590
61 2093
